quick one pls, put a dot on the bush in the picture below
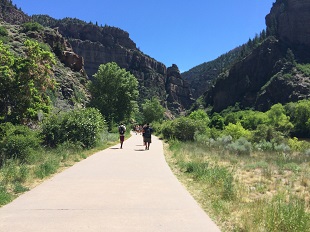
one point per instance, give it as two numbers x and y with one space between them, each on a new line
240 146
236 131
17 142
3 31
77 126
264 146
32 26
182 128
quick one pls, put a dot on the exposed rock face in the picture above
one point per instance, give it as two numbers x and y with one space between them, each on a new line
61 47
178 90
11 14
290 21
100 45
246 78
267 76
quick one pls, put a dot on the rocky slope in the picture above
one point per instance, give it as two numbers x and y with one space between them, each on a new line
100 45
269 74
289 21
11 14
69 69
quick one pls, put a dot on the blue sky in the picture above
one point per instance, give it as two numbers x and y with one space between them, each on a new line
185 33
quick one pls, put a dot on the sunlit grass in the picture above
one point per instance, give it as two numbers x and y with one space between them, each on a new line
254 192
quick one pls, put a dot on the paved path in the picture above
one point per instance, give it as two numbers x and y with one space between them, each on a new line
115 190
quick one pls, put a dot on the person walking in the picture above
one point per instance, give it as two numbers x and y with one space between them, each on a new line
121 130
147 135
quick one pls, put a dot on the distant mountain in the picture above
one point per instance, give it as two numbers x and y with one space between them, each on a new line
201 77
274 71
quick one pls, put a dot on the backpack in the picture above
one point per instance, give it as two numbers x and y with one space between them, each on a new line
147 132
121 130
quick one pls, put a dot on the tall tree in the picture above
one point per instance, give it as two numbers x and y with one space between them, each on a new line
114 92
24 81
152 110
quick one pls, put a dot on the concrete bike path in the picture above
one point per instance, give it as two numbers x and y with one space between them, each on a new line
115 190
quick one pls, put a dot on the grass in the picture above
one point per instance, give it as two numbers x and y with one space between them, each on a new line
263 191
17 178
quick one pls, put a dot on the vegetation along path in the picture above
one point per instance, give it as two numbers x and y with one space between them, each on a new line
129 189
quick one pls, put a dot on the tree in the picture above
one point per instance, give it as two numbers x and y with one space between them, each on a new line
279 120
152 110
114 92
300 116
24 81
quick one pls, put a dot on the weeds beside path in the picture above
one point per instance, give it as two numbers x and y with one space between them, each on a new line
261 192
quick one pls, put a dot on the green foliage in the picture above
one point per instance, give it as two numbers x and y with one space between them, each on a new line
24 82
286 216
17 142
32 26
5 197
3 31
304 68
152 110
217 121
182 128
50 166
240 147
279 120
297 145
236 131
114 92
252 119
84 126
300 114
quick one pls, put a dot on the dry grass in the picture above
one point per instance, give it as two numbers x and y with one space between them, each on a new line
259 181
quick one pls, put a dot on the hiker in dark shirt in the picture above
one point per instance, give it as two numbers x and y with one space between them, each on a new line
147 136
121 130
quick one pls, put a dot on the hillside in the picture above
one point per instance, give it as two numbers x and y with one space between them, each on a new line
273 72
103 44
201 77
81 47
68 71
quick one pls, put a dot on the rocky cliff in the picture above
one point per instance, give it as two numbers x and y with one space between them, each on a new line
178 90
289 21
100 45
269 75
69 68
11 14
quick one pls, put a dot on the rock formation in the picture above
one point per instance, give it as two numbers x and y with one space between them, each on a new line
178 90
267 76
11 14
289 20
99 45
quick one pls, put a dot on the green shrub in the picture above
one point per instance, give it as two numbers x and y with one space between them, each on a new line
3 31
240 147
236 131
264 146
17 142
184 128
304 68
32 26
167 130
78 126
